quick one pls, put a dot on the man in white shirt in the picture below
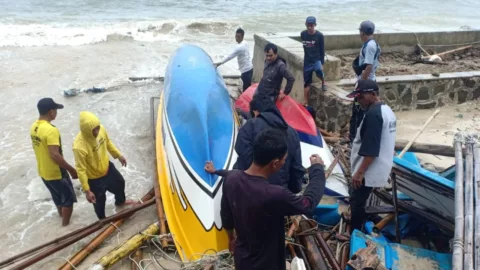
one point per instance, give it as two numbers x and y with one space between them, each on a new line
372 149
242 53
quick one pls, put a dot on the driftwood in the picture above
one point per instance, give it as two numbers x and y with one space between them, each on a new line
454 50
457 254
366 258
94 243
126 248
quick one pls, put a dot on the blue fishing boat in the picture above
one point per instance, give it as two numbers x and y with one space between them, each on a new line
430 190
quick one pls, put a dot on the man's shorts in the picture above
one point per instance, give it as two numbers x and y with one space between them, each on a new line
308 72
62 191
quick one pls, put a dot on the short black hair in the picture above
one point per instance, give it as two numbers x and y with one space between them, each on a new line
269 144
240 31
261 102
271 46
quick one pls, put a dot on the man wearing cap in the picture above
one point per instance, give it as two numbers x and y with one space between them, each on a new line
51 165
96 172
314 59
242 52
372 149
365 66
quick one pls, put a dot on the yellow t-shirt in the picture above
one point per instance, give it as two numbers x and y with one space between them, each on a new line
43 134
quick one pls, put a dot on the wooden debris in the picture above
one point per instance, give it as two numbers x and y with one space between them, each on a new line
469 211
409 144
137 258
457 254
314 256
94 243
426 148
366 258
126 248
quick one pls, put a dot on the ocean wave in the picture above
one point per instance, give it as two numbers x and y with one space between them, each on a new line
27 35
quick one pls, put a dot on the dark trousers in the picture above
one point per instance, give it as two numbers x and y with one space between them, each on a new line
247 79
112 182
355 120
358 201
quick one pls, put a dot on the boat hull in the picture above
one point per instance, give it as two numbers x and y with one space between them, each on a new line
311 141
426 188
195 123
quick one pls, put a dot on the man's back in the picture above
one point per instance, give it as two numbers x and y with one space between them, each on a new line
256 210
291 174
369 55
44 134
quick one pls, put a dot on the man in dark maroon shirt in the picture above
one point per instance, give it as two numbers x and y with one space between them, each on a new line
256 209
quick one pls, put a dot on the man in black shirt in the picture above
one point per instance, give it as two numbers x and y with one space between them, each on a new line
256 209
314 59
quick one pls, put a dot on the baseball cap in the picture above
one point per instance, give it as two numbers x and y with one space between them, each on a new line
363 86
311 19
46 104
367 27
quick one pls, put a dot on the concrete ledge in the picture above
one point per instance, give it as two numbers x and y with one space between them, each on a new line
292 51
350 40
415 77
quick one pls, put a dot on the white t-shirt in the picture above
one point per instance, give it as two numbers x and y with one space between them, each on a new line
242 53
375 138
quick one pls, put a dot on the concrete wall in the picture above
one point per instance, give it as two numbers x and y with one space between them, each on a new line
292 51
352 40
409 92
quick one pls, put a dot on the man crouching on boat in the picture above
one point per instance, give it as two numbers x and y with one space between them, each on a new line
255 209
372 150
95 171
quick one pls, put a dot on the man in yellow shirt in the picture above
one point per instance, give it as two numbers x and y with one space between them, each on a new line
95 171
51 165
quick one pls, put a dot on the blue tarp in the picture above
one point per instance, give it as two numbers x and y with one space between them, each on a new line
391 259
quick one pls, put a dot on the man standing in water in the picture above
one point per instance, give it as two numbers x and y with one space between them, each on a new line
256 209
51 165
242 53
273 73
95 171
365 67
314 59
372 150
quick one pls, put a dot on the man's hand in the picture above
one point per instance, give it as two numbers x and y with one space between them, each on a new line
282 95
73 173
123 161
90 196
209 167
357 179
316 159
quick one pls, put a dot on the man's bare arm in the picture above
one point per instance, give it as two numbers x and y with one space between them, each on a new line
54 151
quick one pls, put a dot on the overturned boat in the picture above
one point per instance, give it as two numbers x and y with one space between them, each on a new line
196 122
311 141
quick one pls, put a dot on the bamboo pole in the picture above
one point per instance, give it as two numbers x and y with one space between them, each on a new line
74 238
314 256
95 242
476 191
468 233
325 248
414 138
126 248
457 255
